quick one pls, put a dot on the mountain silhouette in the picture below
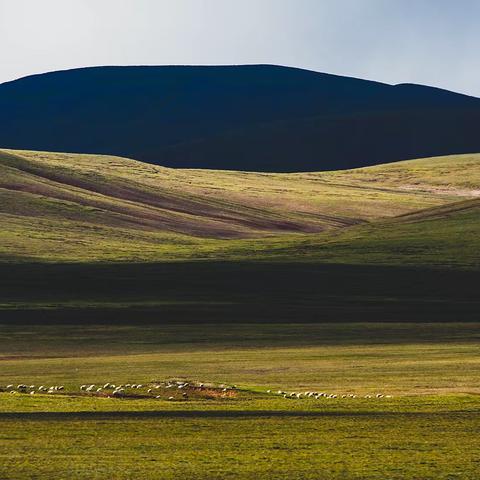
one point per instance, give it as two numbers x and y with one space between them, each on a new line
254 117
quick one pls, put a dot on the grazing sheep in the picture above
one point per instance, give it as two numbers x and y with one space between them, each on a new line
149 390
99 389
9 387
379 395
32 392
171 398
82 387
158 396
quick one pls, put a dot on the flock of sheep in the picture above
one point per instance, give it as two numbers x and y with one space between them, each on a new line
132 388
32 389
184 388
178 389
320 395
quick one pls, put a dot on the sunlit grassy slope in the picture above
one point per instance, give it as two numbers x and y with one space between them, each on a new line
66 207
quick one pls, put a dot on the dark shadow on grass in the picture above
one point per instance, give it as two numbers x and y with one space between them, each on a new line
210 414
231 292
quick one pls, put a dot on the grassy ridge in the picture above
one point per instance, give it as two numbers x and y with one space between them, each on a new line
61 207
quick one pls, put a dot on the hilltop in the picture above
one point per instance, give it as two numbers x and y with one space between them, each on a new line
250 118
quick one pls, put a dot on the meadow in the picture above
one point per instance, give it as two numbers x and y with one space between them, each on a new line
427 429
355 283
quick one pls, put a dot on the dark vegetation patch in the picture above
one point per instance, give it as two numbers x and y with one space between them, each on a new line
245 292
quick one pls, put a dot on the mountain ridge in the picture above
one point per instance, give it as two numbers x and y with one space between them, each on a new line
254 117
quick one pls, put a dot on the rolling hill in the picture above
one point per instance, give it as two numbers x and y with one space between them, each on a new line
69 207
257 118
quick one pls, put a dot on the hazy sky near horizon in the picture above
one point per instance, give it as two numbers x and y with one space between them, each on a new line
433 42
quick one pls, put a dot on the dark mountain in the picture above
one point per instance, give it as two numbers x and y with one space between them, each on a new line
258 117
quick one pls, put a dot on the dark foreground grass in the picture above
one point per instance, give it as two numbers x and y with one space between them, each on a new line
419 437
229 292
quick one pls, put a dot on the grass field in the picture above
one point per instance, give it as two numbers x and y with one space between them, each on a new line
433 439
360 282
427 429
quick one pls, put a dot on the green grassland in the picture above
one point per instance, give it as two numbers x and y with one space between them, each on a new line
427 429
61 208
353 282
389 441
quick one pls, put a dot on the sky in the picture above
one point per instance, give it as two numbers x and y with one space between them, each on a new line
432 42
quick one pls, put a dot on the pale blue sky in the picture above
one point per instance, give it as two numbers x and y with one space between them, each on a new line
434 42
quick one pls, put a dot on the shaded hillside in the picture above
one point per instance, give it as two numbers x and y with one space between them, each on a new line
259 118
